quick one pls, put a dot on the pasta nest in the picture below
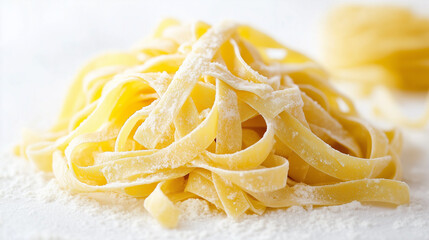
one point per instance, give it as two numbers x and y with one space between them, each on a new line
224 113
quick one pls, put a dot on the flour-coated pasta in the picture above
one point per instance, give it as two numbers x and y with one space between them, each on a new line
202 111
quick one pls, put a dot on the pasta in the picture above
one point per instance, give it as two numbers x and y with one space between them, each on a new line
379 47
200 111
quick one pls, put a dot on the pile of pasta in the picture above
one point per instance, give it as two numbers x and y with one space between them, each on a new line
375 46
200 111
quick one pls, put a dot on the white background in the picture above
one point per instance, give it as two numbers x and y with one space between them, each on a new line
43 43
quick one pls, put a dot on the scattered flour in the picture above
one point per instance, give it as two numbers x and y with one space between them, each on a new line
193 209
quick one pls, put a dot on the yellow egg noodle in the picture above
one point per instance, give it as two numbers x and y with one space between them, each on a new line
375 46
197 111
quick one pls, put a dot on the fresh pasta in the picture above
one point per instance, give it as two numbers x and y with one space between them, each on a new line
380 47
200 111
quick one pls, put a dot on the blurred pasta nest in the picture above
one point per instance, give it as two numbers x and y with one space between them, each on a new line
200 111
378 45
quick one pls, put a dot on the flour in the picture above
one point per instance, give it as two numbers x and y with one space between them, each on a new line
194 209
